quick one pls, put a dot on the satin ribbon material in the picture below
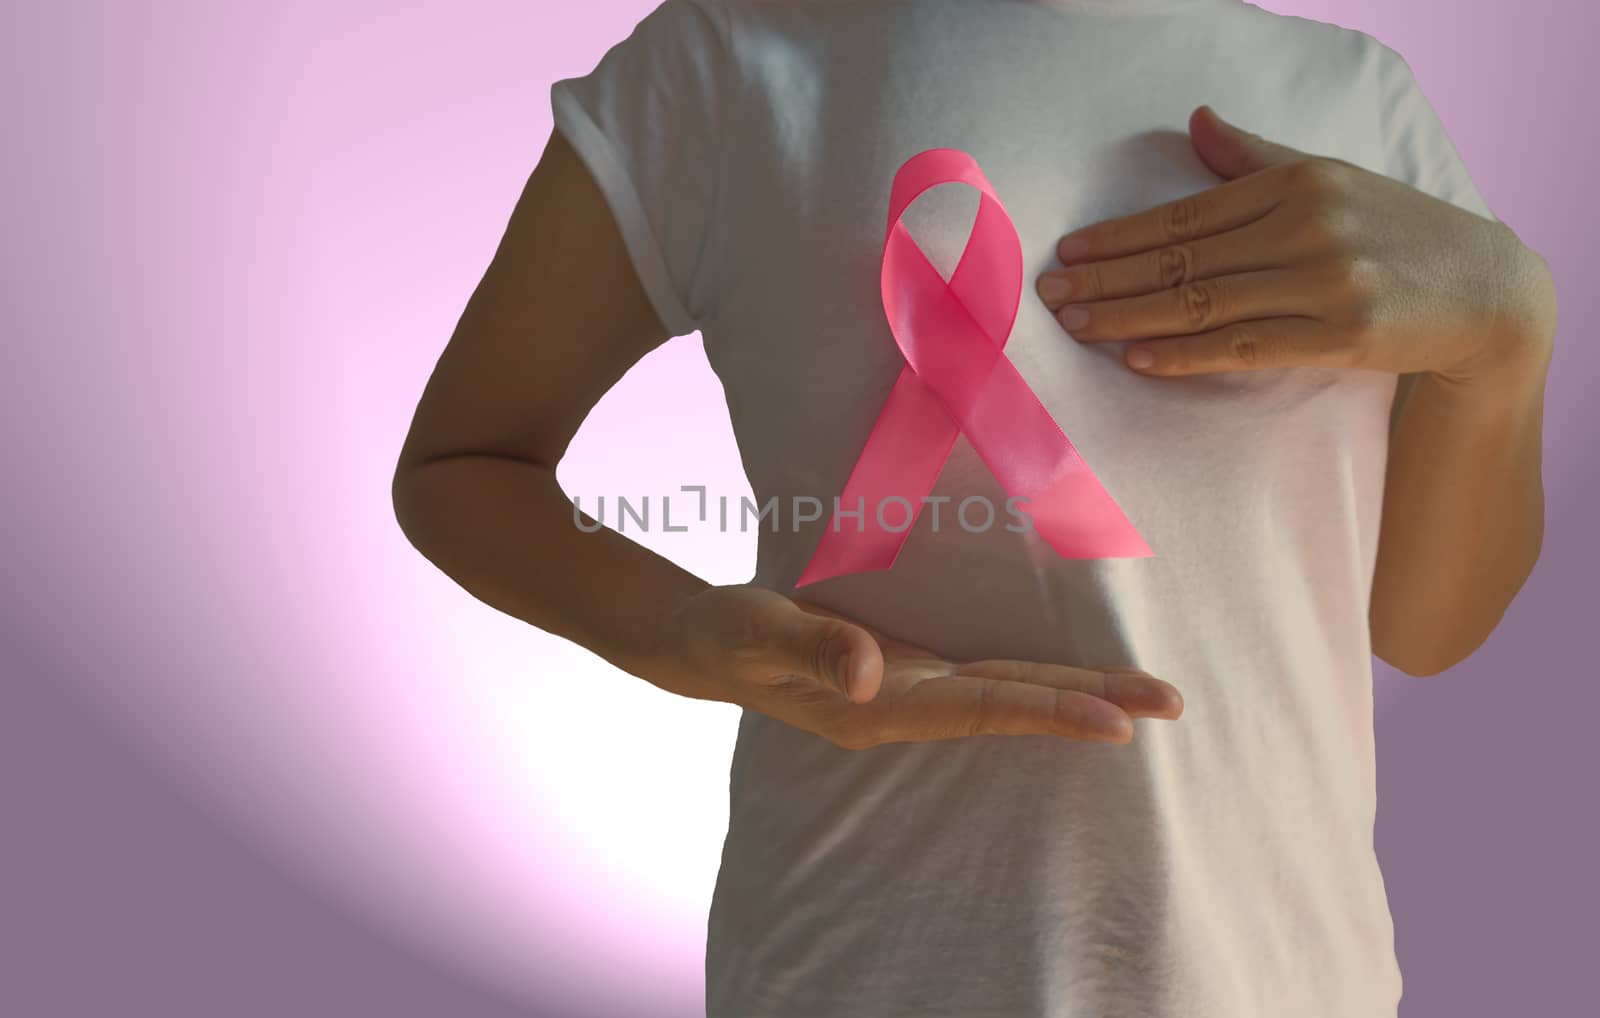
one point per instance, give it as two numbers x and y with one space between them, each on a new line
957 380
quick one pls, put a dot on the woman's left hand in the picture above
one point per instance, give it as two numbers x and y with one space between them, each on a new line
1302 260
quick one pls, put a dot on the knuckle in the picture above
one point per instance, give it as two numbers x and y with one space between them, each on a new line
1175 265
1341 221
1247 345
1198 306
1359 277
1065 714
1337 174
1310 176
1358 287
1092 280
1323 228
1183 219
822 651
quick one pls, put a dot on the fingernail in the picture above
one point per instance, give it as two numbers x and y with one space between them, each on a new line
1054 290
1074 317
1139 357
1071 247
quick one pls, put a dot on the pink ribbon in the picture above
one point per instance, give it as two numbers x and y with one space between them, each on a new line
957 380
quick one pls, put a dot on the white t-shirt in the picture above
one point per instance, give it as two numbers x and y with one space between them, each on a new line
1218 866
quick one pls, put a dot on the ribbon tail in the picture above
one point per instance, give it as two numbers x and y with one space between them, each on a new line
1033 459
902 459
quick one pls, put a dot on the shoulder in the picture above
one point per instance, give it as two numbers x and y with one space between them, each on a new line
1356 62
690 19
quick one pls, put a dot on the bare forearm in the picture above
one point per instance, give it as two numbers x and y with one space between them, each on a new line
506 532
1463 514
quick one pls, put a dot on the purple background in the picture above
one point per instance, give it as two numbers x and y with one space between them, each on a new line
259 758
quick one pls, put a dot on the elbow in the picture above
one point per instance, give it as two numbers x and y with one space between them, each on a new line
1421 656
405 502
1418 668
1409 647
400 498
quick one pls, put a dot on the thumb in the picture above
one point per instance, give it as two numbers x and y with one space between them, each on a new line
829 650
1230 150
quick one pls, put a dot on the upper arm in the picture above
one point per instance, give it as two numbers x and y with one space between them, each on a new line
608 251
558 317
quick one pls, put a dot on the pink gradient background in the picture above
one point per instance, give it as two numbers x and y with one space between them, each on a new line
260 757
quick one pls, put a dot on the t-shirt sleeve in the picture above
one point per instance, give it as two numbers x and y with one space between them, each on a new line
647 121
1416 148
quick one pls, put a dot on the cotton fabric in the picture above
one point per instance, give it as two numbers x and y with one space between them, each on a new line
1218 866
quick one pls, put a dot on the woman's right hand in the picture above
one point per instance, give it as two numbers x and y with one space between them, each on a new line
829 675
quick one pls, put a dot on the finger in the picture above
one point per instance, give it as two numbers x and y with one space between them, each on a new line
1232 151
1249 346
825 648
1194 307
1260 244
1137 692
1226 206
954 706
